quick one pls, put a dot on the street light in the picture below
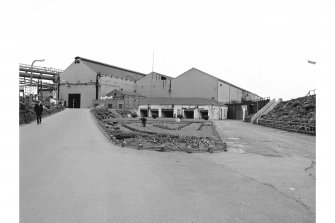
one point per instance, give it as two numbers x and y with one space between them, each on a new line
31 75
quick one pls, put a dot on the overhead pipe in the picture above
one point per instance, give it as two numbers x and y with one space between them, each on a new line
38 71
24 74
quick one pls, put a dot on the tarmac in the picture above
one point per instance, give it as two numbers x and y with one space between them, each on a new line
71 172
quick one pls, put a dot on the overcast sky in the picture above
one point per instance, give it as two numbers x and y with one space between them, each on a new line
260 46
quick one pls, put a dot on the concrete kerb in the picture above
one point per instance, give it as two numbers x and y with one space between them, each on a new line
96 122
219 133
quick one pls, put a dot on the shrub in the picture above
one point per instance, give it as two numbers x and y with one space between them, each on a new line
180 116
154 115
206 117
134 115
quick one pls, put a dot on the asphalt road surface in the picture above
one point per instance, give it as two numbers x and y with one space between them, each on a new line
70 172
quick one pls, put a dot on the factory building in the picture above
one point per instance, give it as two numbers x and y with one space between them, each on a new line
87 80
204 85
189 108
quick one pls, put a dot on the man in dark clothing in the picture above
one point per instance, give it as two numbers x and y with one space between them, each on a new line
38 110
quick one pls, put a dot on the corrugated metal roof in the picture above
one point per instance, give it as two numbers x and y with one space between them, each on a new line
177 101
107 69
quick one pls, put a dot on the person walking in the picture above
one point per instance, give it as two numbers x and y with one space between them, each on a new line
38 110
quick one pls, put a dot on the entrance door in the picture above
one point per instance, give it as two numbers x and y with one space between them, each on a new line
74 100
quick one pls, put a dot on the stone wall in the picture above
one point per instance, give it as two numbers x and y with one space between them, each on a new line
297 115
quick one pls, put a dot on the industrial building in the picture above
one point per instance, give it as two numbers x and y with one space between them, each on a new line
86 81
189 108
205 85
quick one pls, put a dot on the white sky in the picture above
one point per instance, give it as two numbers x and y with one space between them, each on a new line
255 45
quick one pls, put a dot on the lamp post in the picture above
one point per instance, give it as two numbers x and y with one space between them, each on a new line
31 75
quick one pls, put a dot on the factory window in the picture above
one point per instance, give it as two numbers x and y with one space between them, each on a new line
120 106
110 105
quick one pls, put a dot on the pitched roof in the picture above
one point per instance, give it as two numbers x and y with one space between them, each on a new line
177 101
193 68
109 70
128 93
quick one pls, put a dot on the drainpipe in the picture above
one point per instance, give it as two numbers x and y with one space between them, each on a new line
58 80
97 85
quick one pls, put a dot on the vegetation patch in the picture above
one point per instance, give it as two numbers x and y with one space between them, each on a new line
162 136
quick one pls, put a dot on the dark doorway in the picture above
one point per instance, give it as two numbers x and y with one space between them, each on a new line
154 111
202 113
167 113
144 113
189 114
74 100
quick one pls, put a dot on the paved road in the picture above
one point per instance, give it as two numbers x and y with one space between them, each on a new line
69 172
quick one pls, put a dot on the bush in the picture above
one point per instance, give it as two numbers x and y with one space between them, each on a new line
134 115
180 116
154 115
206 117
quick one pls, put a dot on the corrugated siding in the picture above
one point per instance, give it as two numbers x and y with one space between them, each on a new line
152 86
223 92
194 83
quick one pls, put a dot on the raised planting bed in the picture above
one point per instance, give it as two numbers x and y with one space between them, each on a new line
188 139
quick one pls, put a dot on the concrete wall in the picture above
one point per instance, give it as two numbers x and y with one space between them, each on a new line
194 83
152 85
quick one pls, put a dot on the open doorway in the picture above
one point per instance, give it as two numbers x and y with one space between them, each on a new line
203 113
167 113
74 100
154 111
143 113
189 114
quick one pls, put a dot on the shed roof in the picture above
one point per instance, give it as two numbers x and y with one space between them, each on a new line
107 69
177 101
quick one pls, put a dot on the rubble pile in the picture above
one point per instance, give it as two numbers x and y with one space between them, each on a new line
297 115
